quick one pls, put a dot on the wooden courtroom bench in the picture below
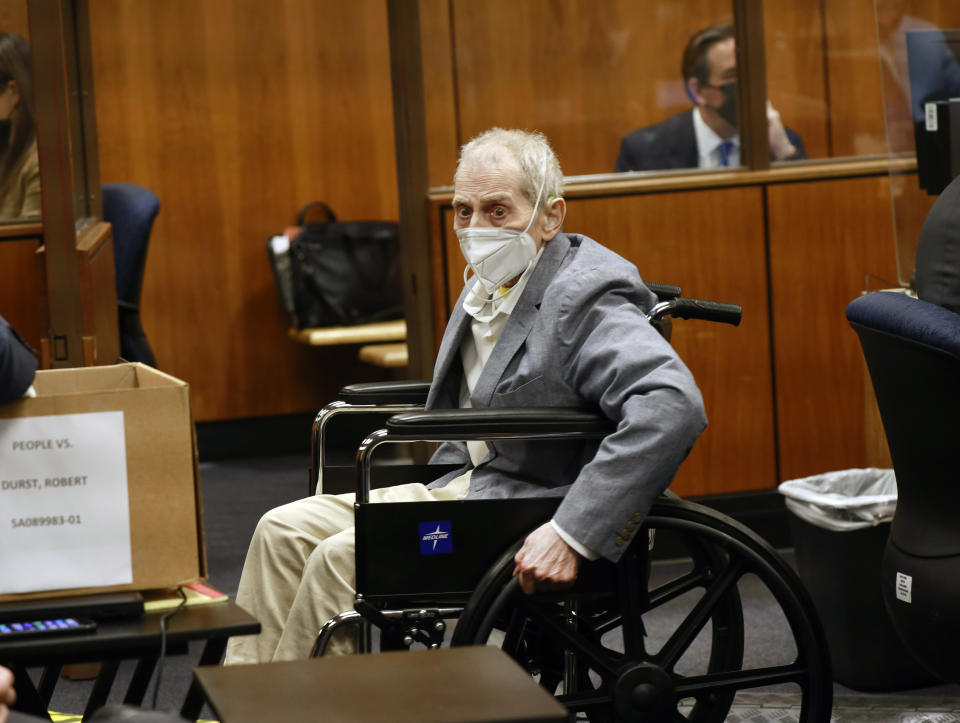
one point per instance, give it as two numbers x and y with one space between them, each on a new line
384 341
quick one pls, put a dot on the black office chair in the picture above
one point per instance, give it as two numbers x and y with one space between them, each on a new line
623 643
130 209
912 349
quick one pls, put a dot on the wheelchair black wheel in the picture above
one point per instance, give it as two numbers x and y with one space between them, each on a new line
565 637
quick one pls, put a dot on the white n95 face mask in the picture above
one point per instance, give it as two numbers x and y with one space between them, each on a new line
498 255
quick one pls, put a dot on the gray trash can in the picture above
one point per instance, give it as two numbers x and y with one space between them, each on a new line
840 522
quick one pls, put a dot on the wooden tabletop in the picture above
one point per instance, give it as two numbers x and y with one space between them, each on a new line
395 330
385 355
447 685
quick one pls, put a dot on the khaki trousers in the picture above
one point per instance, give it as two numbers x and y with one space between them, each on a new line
300 571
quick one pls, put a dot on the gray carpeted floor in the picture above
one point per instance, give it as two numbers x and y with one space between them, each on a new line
236 493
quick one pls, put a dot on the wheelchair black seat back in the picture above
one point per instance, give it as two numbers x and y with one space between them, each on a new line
629 641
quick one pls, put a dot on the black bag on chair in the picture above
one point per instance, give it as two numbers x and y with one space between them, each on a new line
344 273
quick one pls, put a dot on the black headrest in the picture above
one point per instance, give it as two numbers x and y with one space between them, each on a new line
937 275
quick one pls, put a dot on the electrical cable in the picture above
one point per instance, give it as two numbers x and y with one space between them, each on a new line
163 643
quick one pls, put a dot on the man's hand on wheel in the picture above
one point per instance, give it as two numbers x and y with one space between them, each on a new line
545 562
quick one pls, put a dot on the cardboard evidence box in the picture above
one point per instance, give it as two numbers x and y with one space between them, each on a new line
166 517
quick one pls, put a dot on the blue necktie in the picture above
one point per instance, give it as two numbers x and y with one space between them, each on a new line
725 149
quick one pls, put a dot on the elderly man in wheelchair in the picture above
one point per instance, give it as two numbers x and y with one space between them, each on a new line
550 320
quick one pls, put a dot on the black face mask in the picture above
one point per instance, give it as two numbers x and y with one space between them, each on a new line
728 110
4 133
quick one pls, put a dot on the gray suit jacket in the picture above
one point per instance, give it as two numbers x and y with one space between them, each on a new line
578 338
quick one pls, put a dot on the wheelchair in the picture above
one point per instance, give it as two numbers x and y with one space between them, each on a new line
631 640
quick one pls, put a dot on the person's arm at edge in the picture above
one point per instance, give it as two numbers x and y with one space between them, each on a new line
8 696
785 145
18 364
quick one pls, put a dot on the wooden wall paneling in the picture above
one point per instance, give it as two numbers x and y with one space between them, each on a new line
439 93
910 204
97 300
585 73
413 183
601 49
235 114
819 262
101 335
893 19
13 18
942 13
870 89
22 298
853 69
711 243
752 101
894 74
54 107
796 70
87 186
441 229
715 252
454 263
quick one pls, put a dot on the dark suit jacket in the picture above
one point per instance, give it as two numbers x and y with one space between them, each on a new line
17 364
937 273
672 144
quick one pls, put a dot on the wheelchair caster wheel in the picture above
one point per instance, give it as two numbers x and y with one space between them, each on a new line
613 648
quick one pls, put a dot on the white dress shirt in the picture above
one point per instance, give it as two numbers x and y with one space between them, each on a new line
708 144
489 319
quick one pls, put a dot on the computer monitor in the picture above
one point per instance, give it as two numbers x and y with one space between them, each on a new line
933 59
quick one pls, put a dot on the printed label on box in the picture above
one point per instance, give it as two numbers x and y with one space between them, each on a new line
904 587
64 511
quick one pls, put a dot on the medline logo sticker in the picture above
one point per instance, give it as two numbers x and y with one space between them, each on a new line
435 538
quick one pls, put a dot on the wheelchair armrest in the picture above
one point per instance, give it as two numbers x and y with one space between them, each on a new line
413 392
458 424
444 425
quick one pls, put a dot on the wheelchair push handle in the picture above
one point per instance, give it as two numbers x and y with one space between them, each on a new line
664 292
684 308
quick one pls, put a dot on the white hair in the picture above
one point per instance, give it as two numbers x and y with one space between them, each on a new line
538 162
